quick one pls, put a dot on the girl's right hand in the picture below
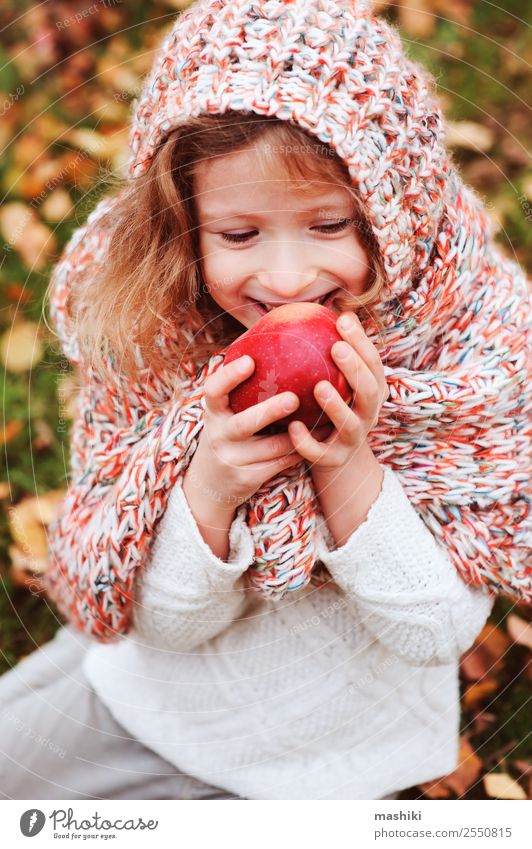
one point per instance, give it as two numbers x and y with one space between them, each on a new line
231 463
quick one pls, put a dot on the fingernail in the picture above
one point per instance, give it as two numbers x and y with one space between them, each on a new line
244 363
289 403
346 322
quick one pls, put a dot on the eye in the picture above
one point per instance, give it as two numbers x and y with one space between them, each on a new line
237 237
323 228
336 227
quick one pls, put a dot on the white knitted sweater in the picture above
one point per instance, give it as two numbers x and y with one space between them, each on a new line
346 692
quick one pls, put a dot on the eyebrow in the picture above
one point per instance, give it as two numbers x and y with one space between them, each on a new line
214 214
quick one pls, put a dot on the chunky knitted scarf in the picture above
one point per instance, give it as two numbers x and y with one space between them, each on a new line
456 426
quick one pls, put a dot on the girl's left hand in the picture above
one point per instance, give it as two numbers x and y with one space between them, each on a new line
364 372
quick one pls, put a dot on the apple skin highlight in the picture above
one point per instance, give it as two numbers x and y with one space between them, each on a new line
291 348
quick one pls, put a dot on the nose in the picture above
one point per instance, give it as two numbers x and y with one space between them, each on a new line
288 275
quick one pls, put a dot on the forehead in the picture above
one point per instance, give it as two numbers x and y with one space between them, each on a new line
235 185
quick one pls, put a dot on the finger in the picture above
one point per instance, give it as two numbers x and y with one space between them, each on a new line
273 467
368 392
305 444
219 384
344 419
355 336
245 424
265 448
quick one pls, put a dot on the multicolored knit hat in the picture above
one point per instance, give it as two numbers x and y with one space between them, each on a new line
454 315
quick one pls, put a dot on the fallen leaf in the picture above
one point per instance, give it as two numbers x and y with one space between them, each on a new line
26 571
28 521
21 347
44 436
499 785
470 136
482 720
460 780
515 152
478 692
459 11
519 630
486 654
31 238
57 206
524 767
10 431
17 293
416 18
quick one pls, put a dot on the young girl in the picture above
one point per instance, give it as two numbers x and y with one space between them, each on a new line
276 616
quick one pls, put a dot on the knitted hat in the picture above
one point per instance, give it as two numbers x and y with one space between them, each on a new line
454 316
339 74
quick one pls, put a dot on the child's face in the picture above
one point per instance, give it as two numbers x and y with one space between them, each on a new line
284 247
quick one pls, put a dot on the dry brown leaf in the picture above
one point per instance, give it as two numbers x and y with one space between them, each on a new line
21 347
41 178
515 152
467 772
483 720
44 436
519 630
10 431
416 18
30 237
478 692
459 11
80 169
486 656
26 571
500 785
28 520
17 293
469 135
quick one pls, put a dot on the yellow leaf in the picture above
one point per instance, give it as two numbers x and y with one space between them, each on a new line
28 521
21 347
57 206
30 237
519 630
499 785
478 692
469 135
416 18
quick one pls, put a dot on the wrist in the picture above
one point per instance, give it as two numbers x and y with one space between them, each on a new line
209 499
346 494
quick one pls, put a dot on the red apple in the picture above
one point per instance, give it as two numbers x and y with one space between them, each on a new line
291 347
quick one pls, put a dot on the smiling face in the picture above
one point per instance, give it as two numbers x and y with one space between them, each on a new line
263 242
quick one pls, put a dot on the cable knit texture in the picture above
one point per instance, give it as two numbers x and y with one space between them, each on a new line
456 426
347 692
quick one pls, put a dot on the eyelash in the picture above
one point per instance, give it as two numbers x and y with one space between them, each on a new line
329 228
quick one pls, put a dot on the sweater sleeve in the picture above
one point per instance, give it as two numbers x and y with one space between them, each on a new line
186 594
402 584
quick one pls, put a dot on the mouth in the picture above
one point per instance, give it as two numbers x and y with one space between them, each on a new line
325 300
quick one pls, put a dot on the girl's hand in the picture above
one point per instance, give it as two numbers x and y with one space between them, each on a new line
230 463
364 372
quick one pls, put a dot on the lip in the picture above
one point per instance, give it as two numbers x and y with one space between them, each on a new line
327 303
